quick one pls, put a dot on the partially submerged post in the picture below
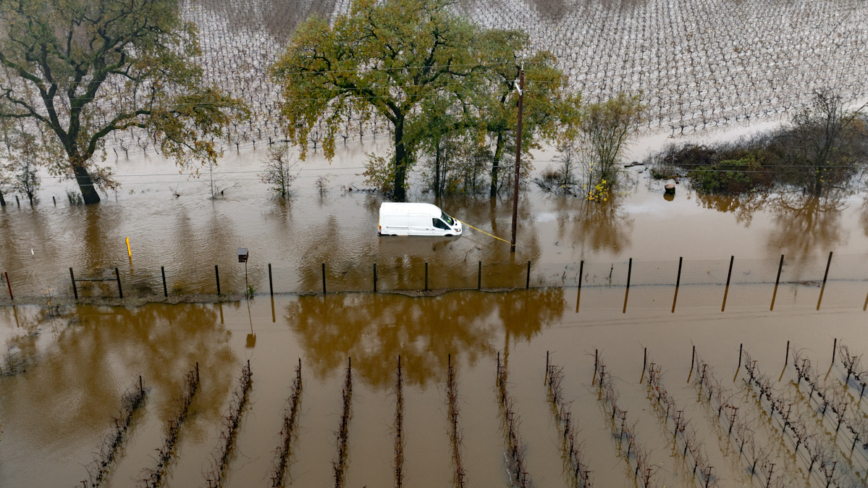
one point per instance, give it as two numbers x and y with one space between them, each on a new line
579 292
8 285
627 291
677 284
517 159
243 254
165 290
777 281
728 276
825 276
74 289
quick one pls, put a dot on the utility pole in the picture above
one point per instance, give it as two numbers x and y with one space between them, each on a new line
517 158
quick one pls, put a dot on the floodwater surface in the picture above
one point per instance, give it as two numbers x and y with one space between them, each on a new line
172 222
65 369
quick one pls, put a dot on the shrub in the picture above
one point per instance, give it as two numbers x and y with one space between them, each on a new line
731 176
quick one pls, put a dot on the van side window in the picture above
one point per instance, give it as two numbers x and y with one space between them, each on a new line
439 224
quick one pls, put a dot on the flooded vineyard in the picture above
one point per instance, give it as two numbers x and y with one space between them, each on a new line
699 65
633 342
524 388
177 231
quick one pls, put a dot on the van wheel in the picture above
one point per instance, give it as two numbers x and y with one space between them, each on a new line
448 235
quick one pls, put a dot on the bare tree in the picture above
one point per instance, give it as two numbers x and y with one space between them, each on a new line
817 136
280 170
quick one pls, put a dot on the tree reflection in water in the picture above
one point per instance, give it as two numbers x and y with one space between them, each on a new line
743 206
81 374
806 227
594 226
375 329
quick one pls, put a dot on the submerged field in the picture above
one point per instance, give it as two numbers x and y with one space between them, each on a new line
64 375
698 65
549 386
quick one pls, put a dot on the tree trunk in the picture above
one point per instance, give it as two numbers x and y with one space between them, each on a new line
437 171
400 161
85 184
495 165
818 181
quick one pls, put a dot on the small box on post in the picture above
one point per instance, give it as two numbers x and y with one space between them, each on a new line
242 258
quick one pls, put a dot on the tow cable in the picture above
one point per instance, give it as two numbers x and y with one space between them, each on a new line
486 233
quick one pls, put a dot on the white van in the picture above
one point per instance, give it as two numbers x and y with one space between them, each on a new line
416 219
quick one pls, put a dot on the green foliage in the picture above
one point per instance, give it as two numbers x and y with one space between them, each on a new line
381 57
431 73
78 70
730 176
74 198
550 112
380 173
822 149
20 162
604 131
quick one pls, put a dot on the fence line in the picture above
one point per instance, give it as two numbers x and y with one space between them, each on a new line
423 277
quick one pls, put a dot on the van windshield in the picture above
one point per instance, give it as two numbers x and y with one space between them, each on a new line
449 220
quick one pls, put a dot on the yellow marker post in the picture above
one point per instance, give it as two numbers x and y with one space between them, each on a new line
129 251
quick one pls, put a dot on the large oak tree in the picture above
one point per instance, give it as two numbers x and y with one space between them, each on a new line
425 69
384 57
78 70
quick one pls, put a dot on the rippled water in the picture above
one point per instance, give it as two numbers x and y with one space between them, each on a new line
65 368
190 233
64 376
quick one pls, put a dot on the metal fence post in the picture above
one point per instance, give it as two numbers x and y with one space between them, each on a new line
479 277
826 275
9 285
728 276
777 281
527 283
270 283
323 279
426 275
629 272
74 289
165 290
579 291
627 291
375 277
677 284
118 276
217 275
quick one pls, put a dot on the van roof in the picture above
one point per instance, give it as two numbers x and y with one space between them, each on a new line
392 208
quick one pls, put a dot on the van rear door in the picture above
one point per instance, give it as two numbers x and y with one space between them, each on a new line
394 224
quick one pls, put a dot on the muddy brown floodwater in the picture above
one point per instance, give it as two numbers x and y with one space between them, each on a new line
190 233
64 371
65 365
